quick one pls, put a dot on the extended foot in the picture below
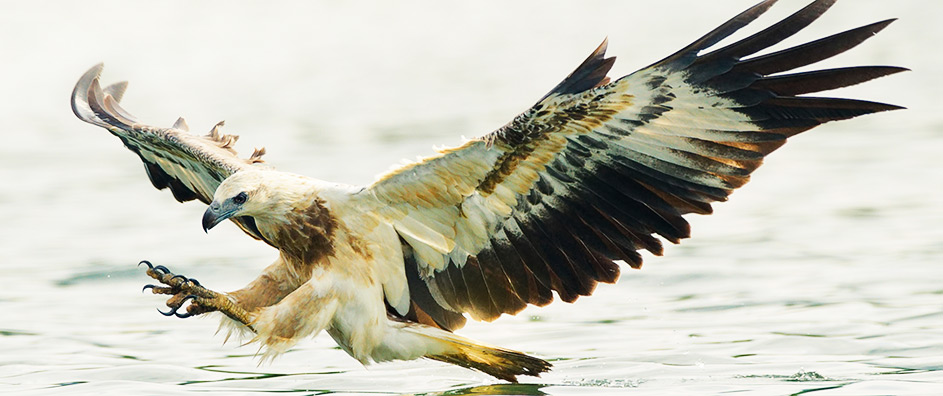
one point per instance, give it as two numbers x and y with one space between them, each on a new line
183 289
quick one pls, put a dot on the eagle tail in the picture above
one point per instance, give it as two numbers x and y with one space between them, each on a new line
497 362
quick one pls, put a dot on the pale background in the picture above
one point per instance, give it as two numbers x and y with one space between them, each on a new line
823 275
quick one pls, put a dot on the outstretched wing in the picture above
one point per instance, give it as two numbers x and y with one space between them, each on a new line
190 166
596 169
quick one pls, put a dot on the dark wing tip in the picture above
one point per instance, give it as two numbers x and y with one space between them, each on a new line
689 53
876 27
591 73
773 34
823 80
811 52
878 107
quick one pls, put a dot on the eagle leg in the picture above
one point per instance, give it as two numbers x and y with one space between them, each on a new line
183 290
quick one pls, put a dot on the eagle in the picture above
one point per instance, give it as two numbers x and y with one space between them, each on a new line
545 207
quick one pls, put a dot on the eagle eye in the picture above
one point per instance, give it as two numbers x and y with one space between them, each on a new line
240 198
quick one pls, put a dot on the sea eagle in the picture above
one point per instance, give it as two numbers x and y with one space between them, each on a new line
594 172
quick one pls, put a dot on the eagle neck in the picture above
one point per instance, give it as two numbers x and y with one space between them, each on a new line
303 232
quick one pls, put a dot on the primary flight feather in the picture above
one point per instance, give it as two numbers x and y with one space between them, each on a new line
548 204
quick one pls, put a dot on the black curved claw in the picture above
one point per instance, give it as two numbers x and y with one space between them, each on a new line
172 312
147 263
162 268
147 287
194 282
185 314
185 279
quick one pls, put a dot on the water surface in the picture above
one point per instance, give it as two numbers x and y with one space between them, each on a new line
820 277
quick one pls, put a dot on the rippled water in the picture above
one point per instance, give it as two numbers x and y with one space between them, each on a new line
822 276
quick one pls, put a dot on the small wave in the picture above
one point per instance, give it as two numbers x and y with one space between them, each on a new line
605 383
801 376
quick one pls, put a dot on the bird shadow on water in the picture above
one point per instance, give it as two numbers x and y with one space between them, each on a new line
460 390
496 389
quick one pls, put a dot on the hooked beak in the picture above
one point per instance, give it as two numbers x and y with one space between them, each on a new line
215 214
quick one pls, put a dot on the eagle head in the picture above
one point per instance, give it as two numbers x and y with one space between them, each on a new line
242 194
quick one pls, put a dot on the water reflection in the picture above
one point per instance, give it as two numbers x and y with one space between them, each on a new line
497 389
